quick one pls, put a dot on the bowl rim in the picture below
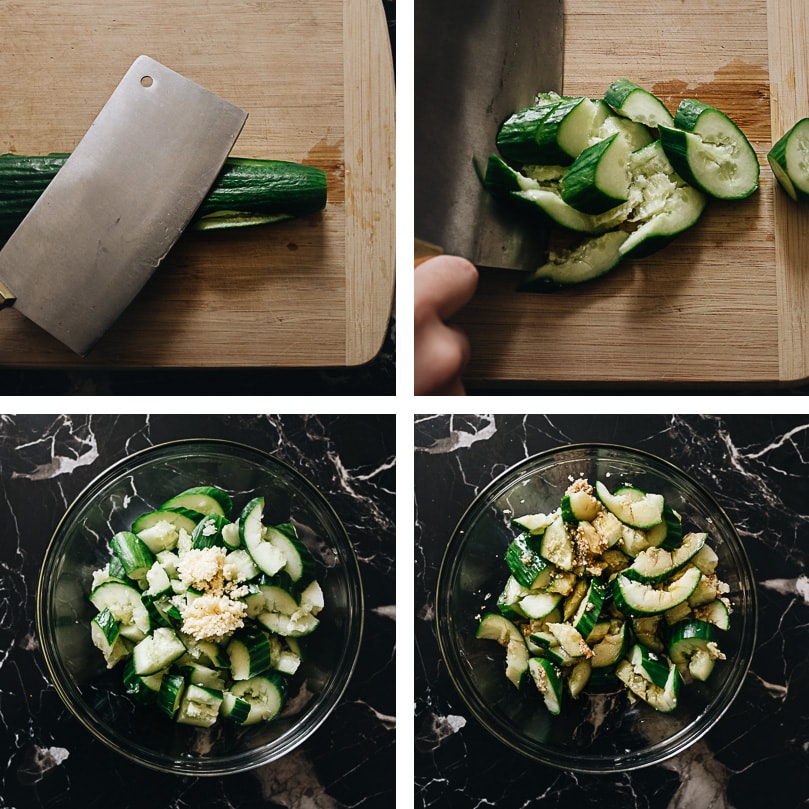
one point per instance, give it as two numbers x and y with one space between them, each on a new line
238 762
570 761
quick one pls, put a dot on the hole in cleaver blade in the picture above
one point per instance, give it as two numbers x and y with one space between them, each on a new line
120 202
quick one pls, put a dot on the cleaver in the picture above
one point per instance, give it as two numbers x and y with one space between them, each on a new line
119 203
476 63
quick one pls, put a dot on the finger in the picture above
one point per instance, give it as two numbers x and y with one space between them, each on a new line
444 284
442 353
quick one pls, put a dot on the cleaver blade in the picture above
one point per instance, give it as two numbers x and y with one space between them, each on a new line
119 203
476 63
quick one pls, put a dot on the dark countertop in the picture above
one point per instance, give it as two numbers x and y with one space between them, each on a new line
49 759
758 754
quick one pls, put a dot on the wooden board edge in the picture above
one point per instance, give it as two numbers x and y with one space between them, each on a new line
369 178
787 26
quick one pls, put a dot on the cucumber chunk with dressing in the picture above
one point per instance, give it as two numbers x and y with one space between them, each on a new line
789 161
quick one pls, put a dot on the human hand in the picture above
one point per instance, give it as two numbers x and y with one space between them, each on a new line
441 286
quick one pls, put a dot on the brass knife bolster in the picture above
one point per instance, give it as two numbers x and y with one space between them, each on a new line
7 297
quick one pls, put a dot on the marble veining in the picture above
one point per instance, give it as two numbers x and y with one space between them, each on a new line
757 467
47 759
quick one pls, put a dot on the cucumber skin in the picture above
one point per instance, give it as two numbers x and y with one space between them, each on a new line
777 158
579 186
271 189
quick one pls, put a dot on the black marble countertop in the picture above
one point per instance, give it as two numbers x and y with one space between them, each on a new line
758 754
47 759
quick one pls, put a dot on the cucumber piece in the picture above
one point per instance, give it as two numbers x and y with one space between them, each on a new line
649 665
134 555
500 629
508 602
548 680
106 637
589 610
158 581
570 640
556 546
551 204
298 562
789 161
538 605
655 564
207 532
709 151
202 499
669 534
533 523
297 625
524 560
598 180
579 505
249 654
591 259
715 612
632 506
632 101
608 651
171 693
199 706
579 677
143 688
107 626
264 694
693 646
636 598
124 603
521 138
661 699
157 651
160 529
234 708
268 558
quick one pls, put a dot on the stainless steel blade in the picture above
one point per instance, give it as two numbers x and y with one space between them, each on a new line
119 203
477 62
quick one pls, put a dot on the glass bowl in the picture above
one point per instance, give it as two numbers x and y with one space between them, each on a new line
80 545
600 732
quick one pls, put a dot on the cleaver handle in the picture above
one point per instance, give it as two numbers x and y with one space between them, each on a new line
7 297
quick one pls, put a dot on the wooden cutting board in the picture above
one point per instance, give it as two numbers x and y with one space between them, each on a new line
728 300
316 79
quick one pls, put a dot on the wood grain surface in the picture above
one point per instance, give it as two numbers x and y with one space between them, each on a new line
317 82
727 300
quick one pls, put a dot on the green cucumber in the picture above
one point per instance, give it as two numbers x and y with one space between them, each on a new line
143 688
208 531
499 629
578 505
693 646
171 693
548 680
636 598
202 499
157 651
715 612
556 545
710 152
134 555
589 610
160 529
525 561
649 665
631 506
632 101
265 694
789 161
268 557
663 699
598 180
199 706
533 523
591 259
656 564
249 654
247 191
124 603
610 649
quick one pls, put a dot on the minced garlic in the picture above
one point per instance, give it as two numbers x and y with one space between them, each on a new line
211 617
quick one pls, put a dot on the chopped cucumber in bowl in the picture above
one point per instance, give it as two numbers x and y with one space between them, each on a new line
188 702
574 710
